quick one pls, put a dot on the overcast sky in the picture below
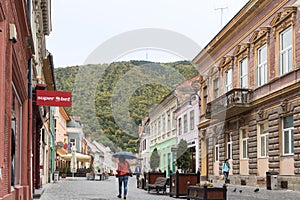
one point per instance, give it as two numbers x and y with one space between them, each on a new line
80 26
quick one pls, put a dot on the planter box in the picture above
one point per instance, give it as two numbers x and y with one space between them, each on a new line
215 193
180 181
150 177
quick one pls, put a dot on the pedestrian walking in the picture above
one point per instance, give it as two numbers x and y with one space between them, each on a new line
123 173
137 172
225 170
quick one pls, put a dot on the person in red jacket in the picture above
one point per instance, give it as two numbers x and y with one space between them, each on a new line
123 173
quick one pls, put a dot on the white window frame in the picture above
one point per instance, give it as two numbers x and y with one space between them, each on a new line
217 152
244 144
244 73
228 80
216 87
285 53
179 126
192 119
229 150
290 131
263 138
185 123
262 67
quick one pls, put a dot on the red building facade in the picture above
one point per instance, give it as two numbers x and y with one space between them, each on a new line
15 102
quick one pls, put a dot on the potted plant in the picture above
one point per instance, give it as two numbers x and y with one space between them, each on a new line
64 172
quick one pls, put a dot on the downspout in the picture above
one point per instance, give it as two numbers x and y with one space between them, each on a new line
29 153
30 114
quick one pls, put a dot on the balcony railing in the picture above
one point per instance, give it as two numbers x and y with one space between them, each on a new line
234 102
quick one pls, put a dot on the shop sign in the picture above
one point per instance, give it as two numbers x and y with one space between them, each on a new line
53 98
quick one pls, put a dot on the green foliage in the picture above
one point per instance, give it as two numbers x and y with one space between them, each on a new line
154 159
102 90
183 156
64 170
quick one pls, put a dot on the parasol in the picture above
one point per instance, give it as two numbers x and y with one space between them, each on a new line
125 154
73 164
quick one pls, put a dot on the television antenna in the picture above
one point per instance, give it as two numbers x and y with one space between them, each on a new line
221 10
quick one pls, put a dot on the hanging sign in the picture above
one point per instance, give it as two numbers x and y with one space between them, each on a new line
53 98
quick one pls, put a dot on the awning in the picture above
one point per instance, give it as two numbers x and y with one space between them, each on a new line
61 151
79 157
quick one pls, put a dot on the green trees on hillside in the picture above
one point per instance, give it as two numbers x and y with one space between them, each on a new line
112 99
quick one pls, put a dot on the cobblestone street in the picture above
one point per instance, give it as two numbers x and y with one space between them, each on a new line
82 189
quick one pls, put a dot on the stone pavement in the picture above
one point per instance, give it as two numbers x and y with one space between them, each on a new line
82 189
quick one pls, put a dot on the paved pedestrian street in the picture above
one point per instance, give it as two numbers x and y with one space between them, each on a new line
82 189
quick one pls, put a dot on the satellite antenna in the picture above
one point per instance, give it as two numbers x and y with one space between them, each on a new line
221 9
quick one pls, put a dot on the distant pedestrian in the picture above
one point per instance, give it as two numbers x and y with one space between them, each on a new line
225 170
137 172
123 173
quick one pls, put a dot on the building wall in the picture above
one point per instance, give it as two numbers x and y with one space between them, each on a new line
258 23
163 130
14 59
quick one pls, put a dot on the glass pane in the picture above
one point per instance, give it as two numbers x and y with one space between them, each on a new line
286 142
292 141
290 60
244 134
267 145
287 38
263 146
244 149
263 54
261 129
288 122
283 63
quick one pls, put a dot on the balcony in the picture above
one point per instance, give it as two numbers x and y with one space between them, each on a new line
234 102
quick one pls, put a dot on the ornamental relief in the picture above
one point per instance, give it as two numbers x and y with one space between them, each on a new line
36 5
226 63
283 19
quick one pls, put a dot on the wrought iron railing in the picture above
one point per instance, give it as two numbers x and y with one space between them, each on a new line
233 98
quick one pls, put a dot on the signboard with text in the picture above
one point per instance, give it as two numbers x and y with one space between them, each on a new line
53 98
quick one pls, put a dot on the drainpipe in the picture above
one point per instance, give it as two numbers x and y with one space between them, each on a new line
29 153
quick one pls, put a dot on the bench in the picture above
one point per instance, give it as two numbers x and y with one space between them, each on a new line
160 184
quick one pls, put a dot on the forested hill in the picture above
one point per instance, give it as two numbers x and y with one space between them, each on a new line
111 100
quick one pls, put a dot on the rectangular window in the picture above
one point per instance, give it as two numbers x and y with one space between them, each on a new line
173 118
185 123
192 120
217 147
164 123
229 150
204 97
285 51
179 126
263 133
244 73
262 68
169 120
73 142
16 138
216 88
159 126
244 136
288 135
228 83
